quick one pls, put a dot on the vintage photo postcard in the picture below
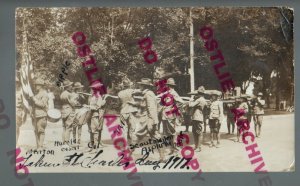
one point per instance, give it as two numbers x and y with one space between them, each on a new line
194 89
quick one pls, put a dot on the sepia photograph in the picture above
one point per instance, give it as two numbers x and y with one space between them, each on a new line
191 89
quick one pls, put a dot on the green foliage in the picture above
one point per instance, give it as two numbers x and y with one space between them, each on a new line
254 41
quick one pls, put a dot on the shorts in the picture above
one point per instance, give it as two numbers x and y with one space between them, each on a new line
258 119
168 127
214 125
41 124
197 126
68 122
96 124
139 129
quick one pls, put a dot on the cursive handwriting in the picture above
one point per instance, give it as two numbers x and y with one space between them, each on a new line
142 161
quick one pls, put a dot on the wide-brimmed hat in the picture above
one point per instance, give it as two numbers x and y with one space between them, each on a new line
39 82
77 85
126 83
260 94
145 81
67 83
95 85
215 92
201 90
171 81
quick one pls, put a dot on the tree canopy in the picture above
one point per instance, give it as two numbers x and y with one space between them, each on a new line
257 43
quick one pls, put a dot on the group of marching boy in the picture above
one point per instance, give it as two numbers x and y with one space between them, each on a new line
143 114
77 109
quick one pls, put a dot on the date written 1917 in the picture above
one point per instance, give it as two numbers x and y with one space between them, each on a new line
64 72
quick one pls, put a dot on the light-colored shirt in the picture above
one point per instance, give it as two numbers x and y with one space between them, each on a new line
198 106
96 104
258 106
151 105
125 97
41 103
67 97
165 108
244 106
216 110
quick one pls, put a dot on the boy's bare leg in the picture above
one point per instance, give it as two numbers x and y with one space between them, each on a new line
79 134
74 135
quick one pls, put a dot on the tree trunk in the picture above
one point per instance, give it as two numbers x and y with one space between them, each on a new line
268 101
277 94
112 30
192 70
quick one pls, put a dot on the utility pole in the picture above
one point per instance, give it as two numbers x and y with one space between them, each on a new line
112 30
191 69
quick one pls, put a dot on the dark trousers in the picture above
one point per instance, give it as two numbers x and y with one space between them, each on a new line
186 120
41 124
230 122
197 131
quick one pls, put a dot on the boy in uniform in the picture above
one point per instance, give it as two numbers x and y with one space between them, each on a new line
81 112
215 116
96 105
40 101
169 120
258 113
198 106
68 100
243 105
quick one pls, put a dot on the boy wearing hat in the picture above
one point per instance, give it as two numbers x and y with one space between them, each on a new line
215 116
258 113
79 98
68 101
80 111
197 116
151 111
125 96
230 116
243 105
96 104
137 128
40 101
169 119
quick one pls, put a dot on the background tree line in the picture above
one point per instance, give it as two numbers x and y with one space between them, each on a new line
257 44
